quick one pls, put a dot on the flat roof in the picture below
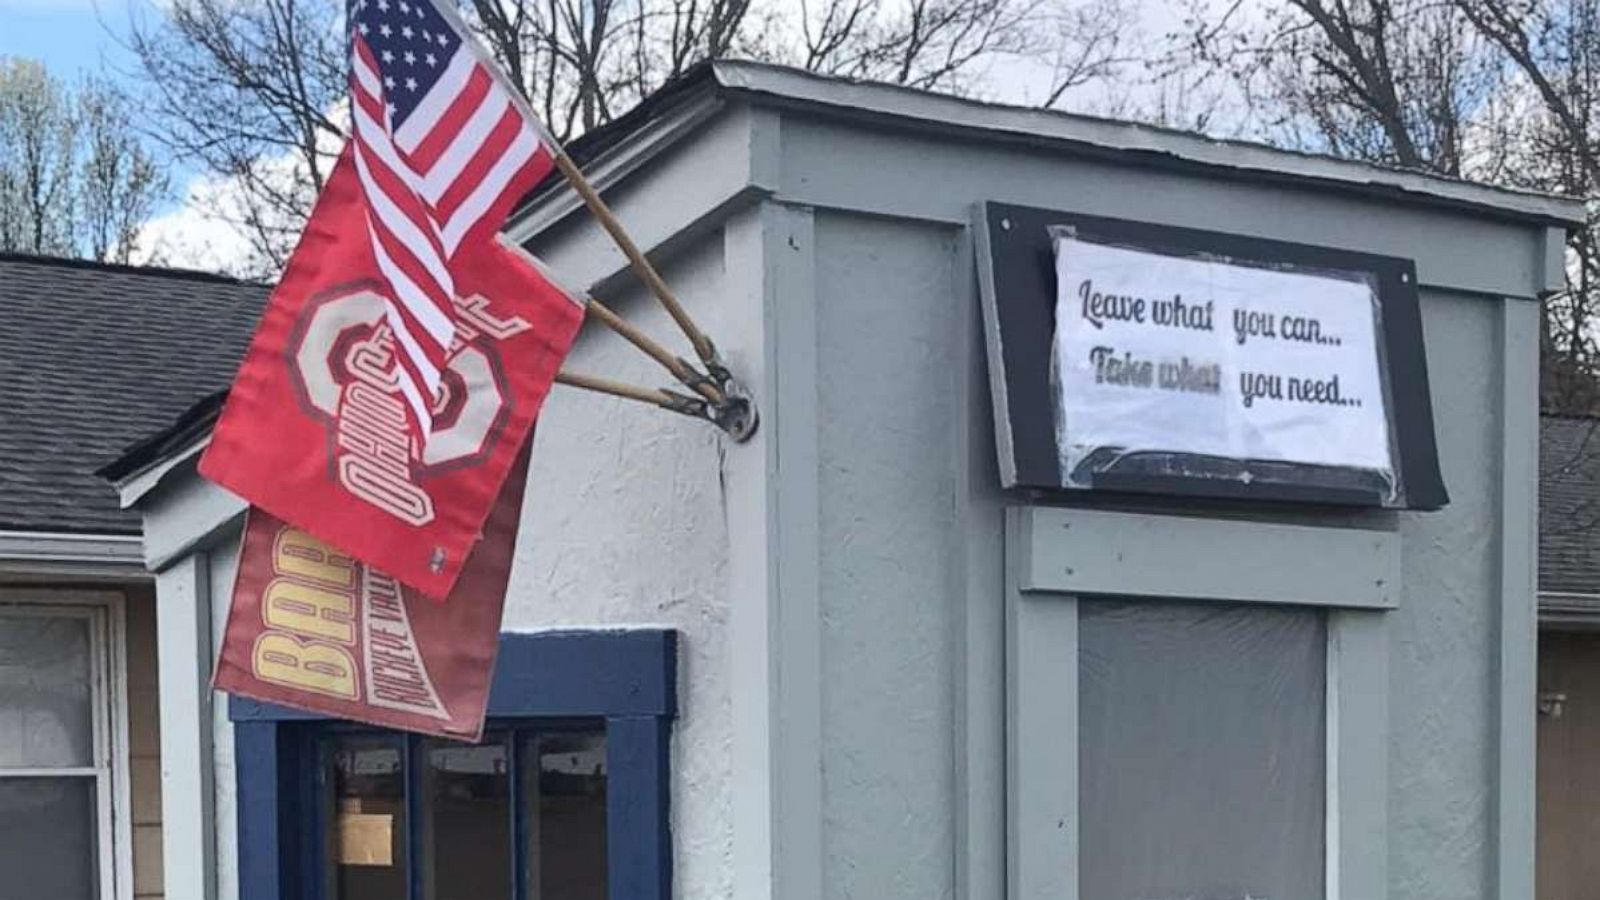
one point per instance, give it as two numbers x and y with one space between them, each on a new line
1134 143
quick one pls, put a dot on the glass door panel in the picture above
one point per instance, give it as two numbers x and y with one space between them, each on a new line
465 821
521 816
565 815
55 752
49 845
367 833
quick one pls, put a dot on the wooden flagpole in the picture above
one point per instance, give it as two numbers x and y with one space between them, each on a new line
732 409
679 369
652 396
641 266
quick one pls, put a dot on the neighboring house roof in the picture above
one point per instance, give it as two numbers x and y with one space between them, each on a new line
92 358
1569 506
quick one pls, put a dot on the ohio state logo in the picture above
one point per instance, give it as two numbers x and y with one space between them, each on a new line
343 358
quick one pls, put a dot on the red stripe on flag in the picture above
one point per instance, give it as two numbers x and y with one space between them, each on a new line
494 146
436 353
522 183
442 132
397 187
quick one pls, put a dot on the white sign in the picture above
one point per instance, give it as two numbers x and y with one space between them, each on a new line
1198 355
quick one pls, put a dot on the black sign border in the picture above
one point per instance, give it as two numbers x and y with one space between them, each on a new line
1017 287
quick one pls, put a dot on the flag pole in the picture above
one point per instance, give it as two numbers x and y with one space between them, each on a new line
679 369
733 409
654 396
636 258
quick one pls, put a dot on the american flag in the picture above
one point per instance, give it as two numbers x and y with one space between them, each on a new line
443 152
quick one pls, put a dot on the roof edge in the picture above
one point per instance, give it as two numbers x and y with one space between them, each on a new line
810 89
66 547
148 271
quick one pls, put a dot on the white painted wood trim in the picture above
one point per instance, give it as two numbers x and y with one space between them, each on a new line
1154 145
789 251
614 166
978 570
749 473
183 629
1041 737
1084 551
1042 733
1358 761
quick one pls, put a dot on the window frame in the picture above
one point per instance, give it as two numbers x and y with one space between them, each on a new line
106 616
1056 555
625 679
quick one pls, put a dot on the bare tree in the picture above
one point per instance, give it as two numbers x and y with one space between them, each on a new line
74 178
37 138
1392 81
1554 50
119 182
926 44
251 91
1506 91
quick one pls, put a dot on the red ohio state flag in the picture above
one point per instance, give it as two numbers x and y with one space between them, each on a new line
318 432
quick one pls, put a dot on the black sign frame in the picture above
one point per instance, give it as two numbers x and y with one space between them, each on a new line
1016 269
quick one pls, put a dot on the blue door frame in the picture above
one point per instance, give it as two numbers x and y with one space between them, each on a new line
628 679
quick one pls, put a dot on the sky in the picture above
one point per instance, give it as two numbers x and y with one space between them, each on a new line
73 38
77 37
69 36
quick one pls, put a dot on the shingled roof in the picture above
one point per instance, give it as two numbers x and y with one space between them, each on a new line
92 358
1569 505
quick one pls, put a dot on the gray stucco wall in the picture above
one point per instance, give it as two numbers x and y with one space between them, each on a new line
624 525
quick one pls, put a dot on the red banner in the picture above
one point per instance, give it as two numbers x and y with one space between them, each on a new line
316 430
312 628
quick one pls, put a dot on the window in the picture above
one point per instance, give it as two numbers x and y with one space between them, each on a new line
522 814
57 746
1200 735
1196 707
565 798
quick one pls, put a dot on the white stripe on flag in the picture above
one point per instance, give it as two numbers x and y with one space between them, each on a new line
452 81
404 228
408 389
368 79
407 292
466 143
494 182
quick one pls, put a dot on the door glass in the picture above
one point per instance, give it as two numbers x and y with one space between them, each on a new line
367 832
565 787
46 691
466 821
48 838
1201 756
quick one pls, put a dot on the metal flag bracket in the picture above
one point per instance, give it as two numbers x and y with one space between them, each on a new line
735 412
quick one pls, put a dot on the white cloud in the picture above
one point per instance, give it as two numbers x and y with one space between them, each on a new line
196 235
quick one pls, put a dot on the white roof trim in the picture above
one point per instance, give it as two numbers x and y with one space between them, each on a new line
612 166
955 113
59 547
134 487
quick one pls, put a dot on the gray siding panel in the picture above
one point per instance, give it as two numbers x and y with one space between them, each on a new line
1446 626
887 351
